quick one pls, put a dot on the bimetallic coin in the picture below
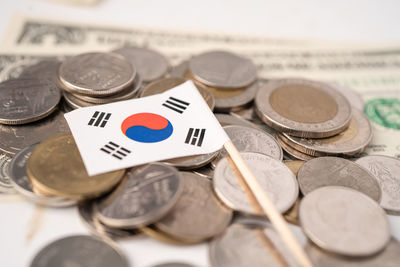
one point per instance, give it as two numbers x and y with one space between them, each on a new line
292 152
251 140
351 141
240 246
79 250
150 64
96 74
160 86
6 186
86 213
20 180
15 138
198 214
389 257
143 197
223 69
387 171
26 100
327 171
277 181
126 94
55 167
191 162
344 221
303 108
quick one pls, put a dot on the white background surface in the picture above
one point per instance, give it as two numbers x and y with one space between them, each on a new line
25 228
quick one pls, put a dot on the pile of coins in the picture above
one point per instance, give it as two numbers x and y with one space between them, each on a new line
301 138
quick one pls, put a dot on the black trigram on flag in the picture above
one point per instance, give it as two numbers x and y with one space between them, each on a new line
176 104
115 150
195 136
99 119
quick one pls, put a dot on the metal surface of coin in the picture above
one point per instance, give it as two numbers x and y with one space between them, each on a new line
96 74
160 86
143 197
303 108
159 235
389 257
45 69
191 162
292 152
276 180
86 213
20 180
126 94
351 141
353 97
15 138
6 186
327 171
387 171
227 119
150 64
179 70
344 221
75 102
205 171
198 214
223 69
292 215
240 246
251 140
27 100
173 264
55 167
294 165
79 250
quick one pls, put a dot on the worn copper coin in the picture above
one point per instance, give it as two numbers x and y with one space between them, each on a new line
198 214
28 99
55 167
143 197
344 221
387 171
326 171
223 69
277 181
303 108
96 74
351 141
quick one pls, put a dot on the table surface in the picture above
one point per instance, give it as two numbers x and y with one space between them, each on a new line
25 228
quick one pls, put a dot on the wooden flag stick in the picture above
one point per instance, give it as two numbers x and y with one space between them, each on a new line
267 206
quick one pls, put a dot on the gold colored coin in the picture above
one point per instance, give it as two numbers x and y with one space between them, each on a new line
55 167
294 165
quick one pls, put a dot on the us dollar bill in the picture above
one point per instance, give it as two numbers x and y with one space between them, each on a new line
373 72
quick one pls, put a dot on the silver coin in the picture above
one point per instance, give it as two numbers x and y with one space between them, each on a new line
20 180
128 93
79 250
303 108
233 119
275 178
150 64
291 152
6 186
353 97
240 246
191 162
344 221
387 171
326 171
389 257
205 171
96 74
26 100
15 138
143 197
231 100
198 214
180 70
86 213
75 102
251 140
351 141
223 69
45 69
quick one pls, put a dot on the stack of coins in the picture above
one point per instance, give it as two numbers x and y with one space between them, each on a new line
312 119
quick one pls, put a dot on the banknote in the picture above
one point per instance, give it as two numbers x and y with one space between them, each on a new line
372 71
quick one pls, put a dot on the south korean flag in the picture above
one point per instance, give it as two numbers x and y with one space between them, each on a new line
176 123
